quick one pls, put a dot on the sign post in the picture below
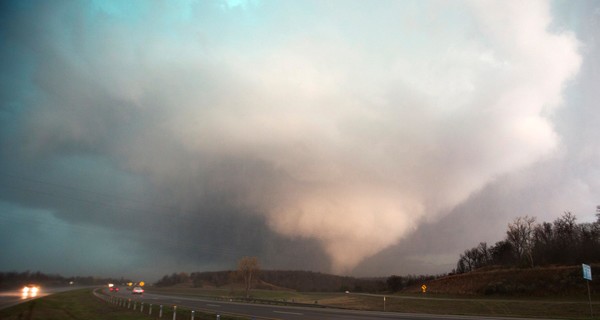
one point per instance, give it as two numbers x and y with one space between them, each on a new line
587 275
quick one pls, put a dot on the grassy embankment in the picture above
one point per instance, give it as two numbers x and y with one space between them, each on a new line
82 304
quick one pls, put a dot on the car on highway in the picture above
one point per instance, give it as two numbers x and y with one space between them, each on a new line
113 289
137 290
30 290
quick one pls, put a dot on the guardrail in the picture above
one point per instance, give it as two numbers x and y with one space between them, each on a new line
147 308
151 309
273 302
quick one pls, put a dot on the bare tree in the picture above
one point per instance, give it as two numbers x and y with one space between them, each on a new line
248 268
544 243
567 237
502 253
563 241
474 258
484 254
520 235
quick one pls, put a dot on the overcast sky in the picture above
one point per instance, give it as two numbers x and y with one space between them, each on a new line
370 138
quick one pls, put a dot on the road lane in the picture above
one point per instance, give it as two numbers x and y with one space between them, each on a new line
276 312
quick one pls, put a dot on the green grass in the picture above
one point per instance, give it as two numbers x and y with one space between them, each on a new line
78 304
82 304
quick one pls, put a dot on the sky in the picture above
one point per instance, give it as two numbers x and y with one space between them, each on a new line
365 138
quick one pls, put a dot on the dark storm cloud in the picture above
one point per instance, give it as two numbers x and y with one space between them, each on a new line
201 132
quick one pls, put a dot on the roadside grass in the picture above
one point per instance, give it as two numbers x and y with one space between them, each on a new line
77 304
474 307
274 296
82 304
554 308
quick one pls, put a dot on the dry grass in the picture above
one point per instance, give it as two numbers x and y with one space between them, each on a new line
474 306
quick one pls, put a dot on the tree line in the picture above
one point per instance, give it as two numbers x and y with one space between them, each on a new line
397 283
173 279
304 281
14 279
528 244
249 274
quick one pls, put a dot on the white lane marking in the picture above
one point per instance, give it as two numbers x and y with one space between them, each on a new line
213 305
286 312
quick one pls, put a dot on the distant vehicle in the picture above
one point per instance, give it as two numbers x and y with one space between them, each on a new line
112 288
30 290
137 290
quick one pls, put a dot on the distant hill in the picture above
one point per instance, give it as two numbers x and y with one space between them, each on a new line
305 281
541 281
491 280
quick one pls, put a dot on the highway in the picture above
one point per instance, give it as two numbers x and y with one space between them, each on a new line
272 312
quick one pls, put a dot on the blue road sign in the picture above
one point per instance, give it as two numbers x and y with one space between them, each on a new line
587 272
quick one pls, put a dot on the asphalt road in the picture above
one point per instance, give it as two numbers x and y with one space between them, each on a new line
271 312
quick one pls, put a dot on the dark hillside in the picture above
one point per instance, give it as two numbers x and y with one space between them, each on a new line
305 281
540 281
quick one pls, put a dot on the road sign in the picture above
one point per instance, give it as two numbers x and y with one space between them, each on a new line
587 272
142 283
587 275
424 288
